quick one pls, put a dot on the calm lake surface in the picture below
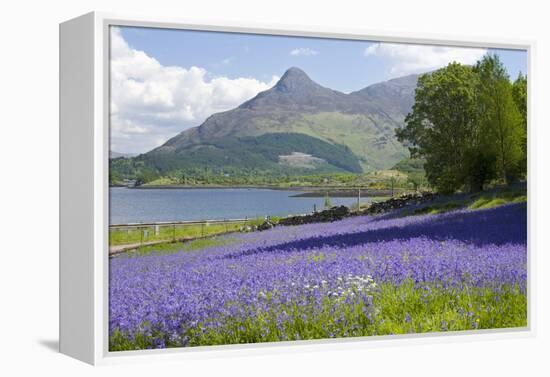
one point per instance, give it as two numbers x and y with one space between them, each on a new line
153 205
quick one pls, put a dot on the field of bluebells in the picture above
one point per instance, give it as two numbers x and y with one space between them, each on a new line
366 275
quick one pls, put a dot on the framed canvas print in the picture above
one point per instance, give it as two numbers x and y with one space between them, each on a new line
224 186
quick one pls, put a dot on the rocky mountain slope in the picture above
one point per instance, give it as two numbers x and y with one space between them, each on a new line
297 117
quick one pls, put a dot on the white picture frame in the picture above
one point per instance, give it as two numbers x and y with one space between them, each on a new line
84 151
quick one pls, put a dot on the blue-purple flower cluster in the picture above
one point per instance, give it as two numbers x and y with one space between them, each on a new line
340 264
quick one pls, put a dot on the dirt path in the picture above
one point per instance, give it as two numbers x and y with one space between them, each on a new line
116 249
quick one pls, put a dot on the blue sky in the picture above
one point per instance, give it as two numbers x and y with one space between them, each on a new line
164 81
338 64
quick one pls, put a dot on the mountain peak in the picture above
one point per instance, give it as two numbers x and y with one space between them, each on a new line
294 78
294 72
295 91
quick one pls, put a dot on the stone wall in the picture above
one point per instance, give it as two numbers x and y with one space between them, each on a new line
338 213
328 215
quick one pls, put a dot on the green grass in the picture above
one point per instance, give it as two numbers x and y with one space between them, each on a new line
170 233
260 220
498 198
487 203
145 234
161 248
480 200
178 246
437 208
391 309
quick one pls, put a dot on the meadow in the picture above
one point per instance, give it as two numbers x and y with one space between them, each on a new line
146 233
463 269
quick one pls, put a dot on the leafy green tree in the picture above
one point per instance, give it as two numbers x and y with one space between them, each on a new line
480 166
469 123
114 177
502 133
146 176
442 125
519 92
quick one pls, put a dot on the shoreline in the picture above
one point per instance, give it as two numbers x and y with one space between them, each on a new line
347 193
306 191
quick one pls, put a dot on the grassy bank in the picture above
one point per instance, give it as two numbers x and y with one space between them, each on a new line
169 233
480 200
179 246
145 234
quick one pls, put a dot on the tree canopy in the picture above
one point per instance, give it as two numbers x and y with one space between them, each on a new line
468 124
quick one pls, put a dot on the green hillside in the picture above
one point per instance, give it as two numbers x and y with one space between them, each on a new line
297 127
370 137
264 152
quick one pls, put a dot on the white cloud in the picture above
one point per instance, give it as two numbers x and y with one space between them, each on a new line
151 103
304 51
407 58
